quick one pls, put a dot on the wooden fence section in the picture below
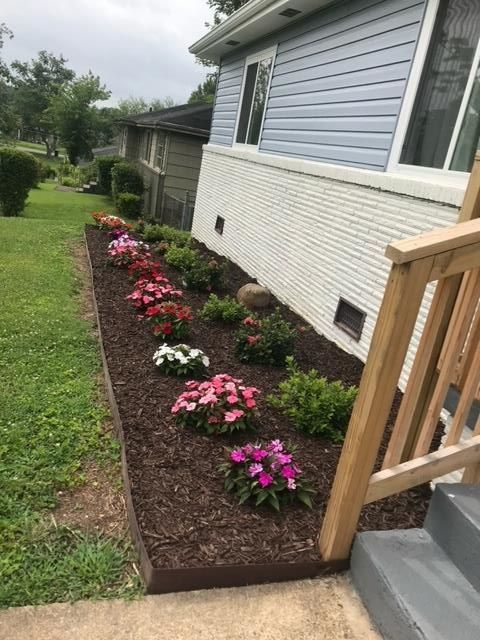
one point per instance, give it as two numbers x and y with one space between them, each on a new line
451 335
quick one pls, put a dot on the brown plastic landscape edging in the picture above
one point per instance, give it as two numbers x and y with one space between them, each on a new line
190 578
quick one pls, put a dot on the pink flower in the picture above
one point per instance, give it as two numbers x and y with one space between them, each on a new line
175 408
230 386
284 458
255 469
213 420
248 448
210 398
288 472
291 484
232 399
250 403
232 416
237 455
253 339
265 479
191 406
259 454
248 393
147 299
276 446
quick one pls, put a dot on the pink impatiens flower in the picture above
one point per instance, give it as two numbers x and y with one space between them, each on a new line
288 472
291 484
237 455
255 469
284 458
265 479
259 454
232 416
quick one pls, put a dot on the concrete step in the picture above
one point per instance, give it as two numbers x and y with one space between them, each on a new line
412 589
453 521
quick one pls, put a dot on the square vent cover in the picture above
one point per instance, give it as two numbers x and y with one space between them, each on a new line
350 318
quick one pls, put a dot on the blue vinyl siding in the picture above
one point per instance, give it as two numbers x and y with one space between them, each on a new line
337 86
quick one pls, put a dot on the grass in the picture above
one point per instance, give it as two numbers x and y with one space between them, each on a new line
50 420
39 151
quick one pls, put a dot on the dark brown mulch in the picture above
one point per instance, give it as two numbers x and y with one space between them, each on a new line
185 516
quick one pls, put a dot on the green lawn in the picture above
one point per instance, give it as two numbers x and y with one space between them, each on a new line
50 422
39 151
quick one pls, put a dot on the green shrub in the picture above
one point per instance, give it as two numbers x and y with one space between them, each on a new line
265 341
104 166
18 174
316 406
68 181
181 258
129 205
226 310
44 171
204 274
126 179
164 233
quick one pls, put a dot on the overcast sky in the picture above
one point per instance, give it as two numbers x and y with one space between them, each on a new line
137 47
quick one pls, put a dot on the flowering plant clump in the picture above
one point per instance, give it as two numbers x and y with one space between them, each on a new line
266 474
170 320
125 250
180 360
145 268
107 222
220 405
265 341
149 293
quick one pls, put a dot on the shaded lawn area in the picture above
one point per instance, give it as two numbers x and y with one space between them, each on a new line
50 417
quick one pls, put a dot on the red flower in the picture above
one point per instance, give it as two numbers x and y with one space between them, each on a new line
166 328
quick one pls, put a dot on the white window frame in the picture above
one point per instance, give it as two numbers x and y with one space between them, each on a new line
165 151
256 57
447 176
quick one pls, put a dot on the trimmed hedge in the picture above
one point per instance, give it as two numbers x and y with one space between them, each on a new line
105 165
129 205
19 173
126 179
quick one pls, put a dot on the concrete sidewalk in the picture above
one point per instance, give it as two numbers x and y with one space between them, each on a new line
322 609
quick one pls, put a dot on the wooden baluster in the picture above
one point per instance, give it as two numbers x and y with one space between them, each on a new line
471 475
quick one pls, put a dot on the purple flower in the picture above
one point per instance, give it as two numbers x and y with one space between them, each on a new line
265 479
237 455
255 469
259 454
288 472
276 446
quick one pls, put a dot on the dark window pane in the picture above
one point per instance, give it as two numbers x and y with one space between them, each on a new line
259 100
467 142
444 78
247 102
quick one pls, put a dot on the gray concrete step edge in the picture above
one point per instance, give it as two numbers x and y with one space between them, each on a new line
411 588
453 521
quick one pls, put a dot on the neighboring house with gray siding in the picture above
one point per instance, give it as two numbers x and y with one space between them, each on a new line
337 128
166 146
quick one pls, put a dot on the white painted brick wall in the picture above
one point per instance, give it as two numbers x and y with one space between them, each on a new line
310 239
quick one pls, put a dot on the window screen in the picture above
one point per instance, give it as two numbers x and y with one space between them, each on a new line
257 80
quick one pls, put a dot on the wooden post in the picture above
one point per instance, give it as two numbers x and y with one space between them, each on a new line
471 475
393 331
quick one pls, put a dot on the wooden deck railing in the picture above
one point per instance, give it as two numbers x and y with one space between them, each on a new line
451 335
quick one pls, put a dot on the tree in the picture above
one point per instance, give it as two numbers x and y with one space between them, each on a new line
205 92
224 8
76 116
8 120
36 84
131 106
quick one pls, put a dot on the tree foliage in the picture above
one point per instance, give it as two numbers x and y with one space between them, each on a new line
19 172
131 106
76 116
36 84
8 119
224 8
205 92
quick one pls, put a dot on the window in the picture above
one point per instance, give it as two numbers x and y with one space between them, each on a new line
444 128
254 97
160 150
147 145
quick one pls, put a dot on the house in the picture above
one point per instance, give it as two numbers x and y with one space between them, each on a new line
166 146
337 128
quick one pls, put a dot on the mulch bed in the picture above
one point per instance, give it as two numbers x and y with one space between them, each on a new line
185 516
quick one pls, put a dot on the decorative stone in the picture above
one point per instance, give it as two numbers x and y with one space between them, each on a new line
254 296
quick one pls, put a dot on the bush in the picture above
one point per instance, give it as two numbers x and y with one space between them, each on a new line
126 179
104 166
265 341
68 181
267 474
164 233
18 174
226 310
129 205
316 406
181 258
220 405
181 360
44 171
204 274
